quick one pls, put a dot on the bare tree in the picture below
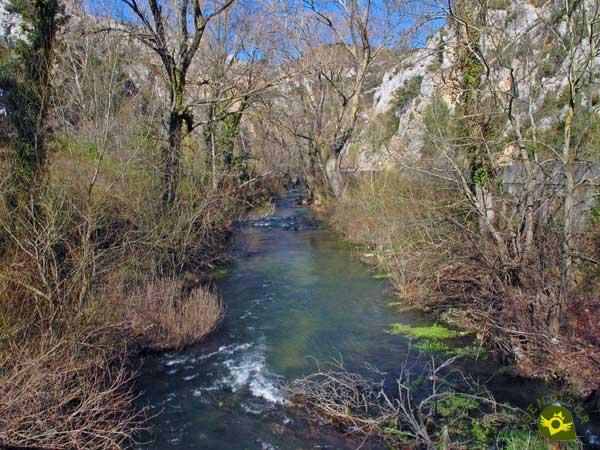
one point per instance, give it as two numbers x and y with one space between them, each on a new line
240 48
165 29
581 43
335 44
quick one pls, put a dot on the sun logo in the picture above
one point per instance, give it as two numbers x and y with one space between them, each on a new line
556 423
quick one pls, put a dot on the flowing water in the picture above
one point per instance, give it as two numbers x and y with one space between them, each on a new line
295 295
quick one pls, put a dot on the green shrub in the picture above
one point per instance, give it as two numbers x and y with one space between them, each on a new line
548 69
408 92
381 129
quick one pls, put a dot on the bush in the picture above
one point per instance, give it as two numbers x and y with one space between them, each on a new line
402 220
69 257
78 248
163 317
408 92
67 393
432 407
426 239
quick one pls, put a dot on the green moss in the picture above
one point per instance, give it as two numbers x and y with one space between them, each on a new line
432 332
219 273
432 346
440 347
456 405
522 438
380 276
470 419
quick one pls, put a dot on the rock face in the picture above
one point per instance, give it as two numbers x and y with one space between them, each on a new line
536 60
10 27
139 63
420 63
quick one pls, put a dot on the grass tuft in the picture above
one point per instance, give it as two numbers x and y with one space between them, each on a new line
425 332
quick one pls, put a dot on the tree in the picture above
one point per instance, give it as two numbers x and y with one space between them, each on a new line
336 43
165 29
30 83
239 52
581 43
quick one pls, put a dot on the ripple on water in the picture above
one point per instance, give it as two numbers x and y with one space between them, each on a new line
266 446
188 359
245 367
251 371
176 360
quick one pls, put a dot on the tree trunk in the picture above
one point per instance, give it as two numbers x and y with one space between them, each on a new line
171 159
568 159
334 176
316 178
213 159
568 190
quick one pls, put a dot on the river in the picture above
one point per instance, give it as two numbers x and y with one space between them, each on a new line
295 295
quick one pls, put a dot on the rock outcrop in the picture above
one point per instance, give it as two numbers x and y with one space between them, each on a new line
526 30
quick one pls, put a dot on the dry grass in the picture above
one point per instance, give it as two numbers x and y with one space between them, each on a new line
65 393
404 224
163 318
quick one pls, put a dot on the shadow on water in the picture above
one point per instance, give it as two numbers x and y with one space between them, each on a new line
295 293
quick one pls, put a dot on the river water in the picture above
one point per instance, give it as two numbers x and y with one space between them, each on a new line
296 295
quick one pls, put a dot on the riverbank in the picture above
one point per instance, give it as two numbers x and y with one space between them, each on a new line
416 232
298 305
91 279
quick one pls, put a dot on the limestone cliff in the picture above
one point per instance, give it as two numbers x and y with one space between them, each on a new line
522 36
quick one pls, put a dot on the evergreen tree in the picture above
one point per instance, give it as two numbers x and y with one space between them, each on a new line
28 78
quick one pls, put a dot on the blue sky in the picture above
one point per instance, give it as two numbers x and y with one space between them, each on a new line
415 10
